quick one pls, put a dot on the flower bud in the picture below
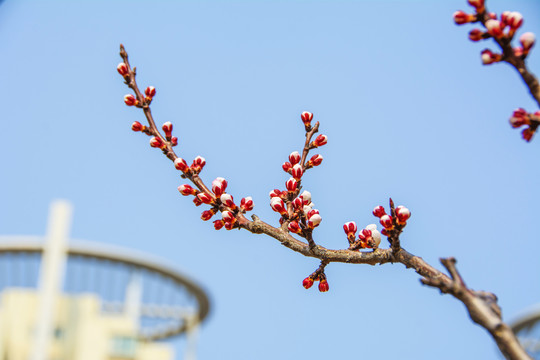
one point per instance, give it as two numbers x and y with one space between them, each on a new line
294 227
306 196
218 224
207 214
527 41
476 35
156 142
219 185
495 28
287 166
187 190
229 225
314 221
275 193
174 141
297 172
137 126
198 164
291 185
461 17
227 200
294 158
386 222
306 118
197 201
122 69
315 160
323 286
205 198
350 229
489 57
298 203
379 211
150 92
477 4
278 205
180 164
514 20
402 214
312 212
130 100
308 282
527 134
375 236
320 141
228 216
246 203
167 129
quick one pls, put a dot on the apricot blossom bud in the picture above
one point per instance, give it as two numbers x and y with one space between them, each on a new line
294 227
287 166
323 286
514 20
379 211
174 141
308 282
187 190
197 201
495 28
476 35
205 198
320 141
150 92
246 203
228 216
527 134
306 118
219 185
229 225
315 160
489 57
122 69
207 214
461 17
291 185
314 221
227 200
130 100
306 196
218 224
294 158
180 164
298 203
167 129
198 164
137 126
402 214
275 193
156 142
350 229
278 205
297 171
386 221
527 41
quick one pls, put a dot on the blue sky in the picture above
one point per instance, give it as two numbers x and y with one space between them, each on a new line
409 111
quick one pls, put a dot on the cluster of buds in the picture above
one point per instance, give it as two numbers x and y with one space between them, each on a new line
302 215
391 222
368 238
294 167
196 166
316 276
520 118
503 28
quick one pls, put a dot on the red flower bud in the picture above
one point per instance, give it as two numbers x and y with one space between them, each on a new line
294 227
130 100
205 198
366 233
174 141
218 224
379 211
527 41
323 286
297 172
298 203
197 201
489 57
308 282
219 185
180 164
402 214
350 229
227 200
478 4
278 205
291 185
476 35
286 166
527 134
514 20
306 196
315 160
311 213
314 221
495 28
294 158
228 216
461 17
137 126
386 222
187 190
150 92
122 69
246 203
229 225
275 193
207 214
198 164
306 118
320 141
156 142
167 129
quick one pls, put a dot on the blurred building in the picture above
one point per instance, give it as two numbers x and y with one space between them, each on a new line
78 300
